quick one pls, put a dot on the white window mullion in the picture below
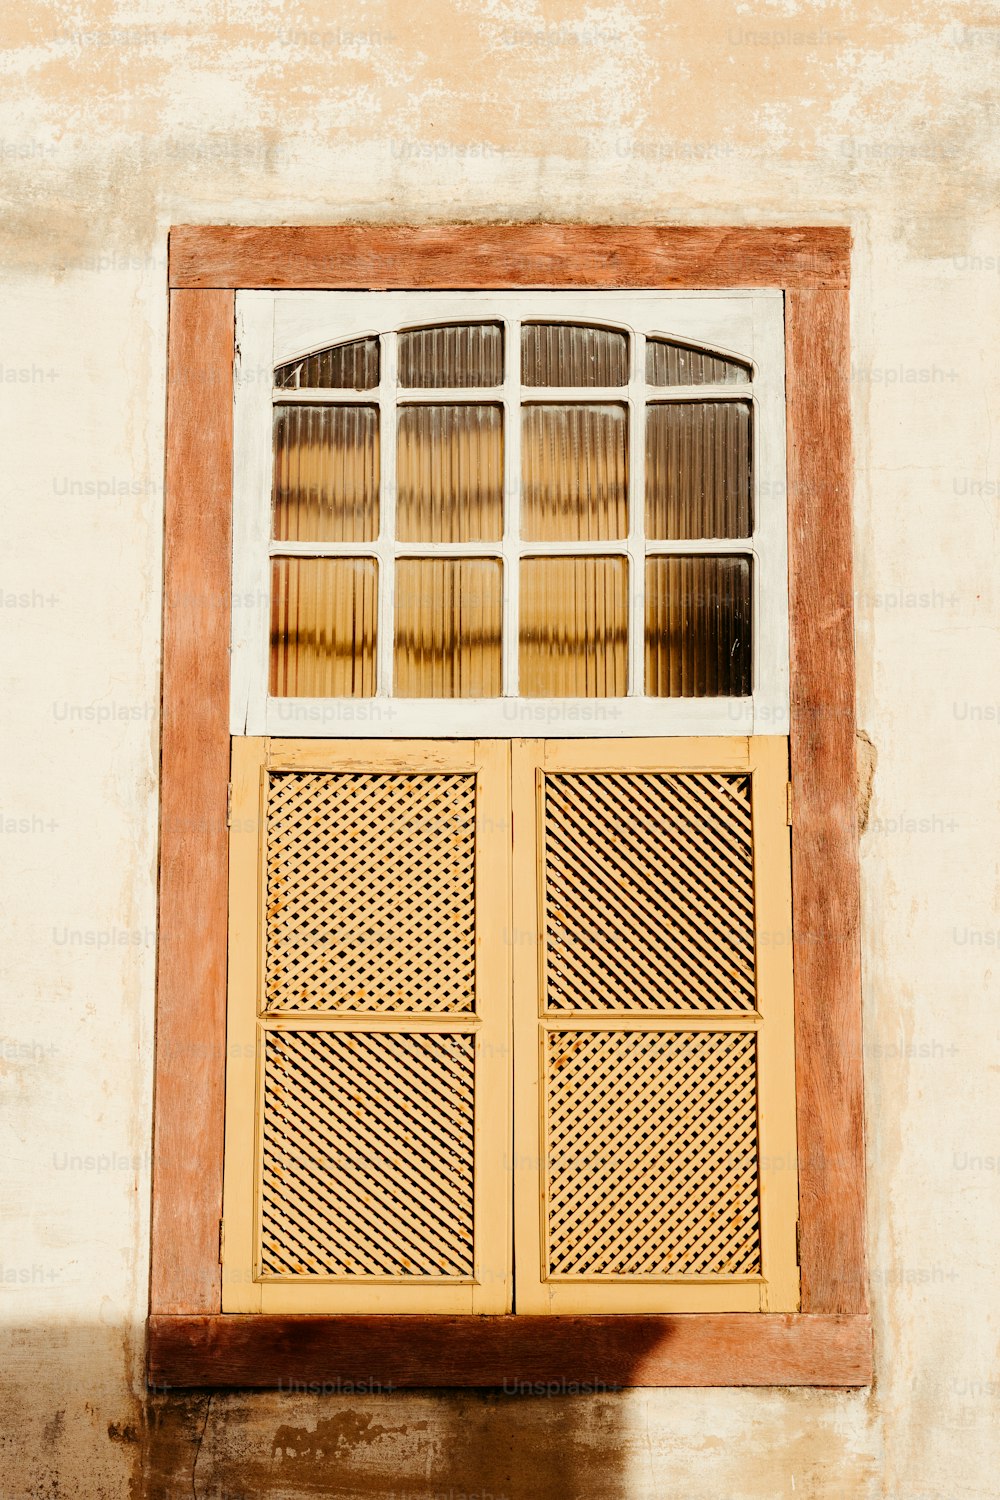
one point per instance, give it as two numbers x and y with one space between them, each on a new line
252 471
619 547
387 518
512 505
706 544
326 549
664 394
322 396
574 395
637 518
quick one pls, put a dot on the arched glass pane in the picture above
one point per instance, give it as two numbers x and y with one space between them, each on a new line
323 622
670 363
342 367
453 356
574 473
449 474
698 642
698 470
567 354
574 627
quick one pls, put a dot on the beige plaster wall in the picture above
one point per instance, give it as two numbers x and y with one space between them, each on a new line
116 121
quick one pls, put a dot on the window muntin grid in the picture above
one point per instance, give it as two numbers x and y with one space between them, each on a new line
513 403
587 421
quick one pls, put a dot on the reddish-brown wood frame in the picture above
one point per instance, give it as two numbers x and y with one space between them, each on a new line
191 1343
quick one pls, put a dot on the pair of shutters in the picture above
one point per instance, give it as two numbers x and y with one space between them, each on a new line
510 1003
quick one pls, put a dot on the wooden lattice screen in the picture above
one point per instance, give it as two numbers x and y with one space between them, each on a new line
414 966
654 1128
368 1106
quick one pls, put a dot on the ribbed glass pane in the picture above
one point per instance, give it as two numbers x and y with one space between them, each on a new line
566 354
448 627
326 473
669 363
698 641
698 470
574 475
342 367
574 627
449 474
452 356
323 619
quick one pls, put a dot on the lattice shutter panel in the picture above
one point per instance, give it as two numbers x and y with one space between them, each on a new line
659 889
375 1002
666 1123
648 892
367 1154
370 892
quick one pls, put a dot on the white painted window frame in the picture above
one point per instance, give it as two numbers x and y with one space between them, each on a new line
275 327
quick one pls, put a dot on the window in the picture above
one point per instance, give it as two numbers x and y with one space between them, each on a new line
560 509
497 506
506 900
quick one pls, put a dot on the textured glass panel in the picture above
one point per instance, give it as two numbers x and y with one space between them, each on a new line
565 354
448 624
453 356
342 367
449 474
574 627
574 477
668 363
323 616
326 473
698 469
698 627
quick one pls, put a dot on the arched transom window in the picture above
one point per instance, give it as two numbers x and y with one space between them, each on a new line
487 514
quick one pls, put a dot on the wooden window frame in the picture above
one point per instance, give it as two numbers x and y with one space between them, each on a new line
191 1343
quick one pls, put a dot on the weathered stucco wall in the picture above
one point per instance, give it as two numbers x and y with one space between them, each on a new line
116 122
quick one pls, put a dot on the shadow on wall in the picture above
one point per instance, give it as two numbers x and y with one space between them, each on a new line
552 1429
72 1423
80 1421
534 1437
79 1424
401 1445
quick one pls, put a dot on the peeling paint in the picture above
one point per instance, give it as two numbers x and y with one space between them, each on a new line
867 757
331 1438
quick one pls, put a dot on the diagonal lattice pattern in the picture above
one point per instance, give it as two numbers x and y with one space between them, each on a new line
648 892
370 892
367 1154
652 1153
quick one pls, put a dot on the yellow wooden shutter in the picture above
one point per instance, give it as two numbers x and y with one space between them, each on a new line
655 1102
368 1098
368 1162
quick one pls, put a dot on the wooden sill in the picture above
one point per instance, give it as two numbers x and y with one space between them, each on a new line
543 1355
